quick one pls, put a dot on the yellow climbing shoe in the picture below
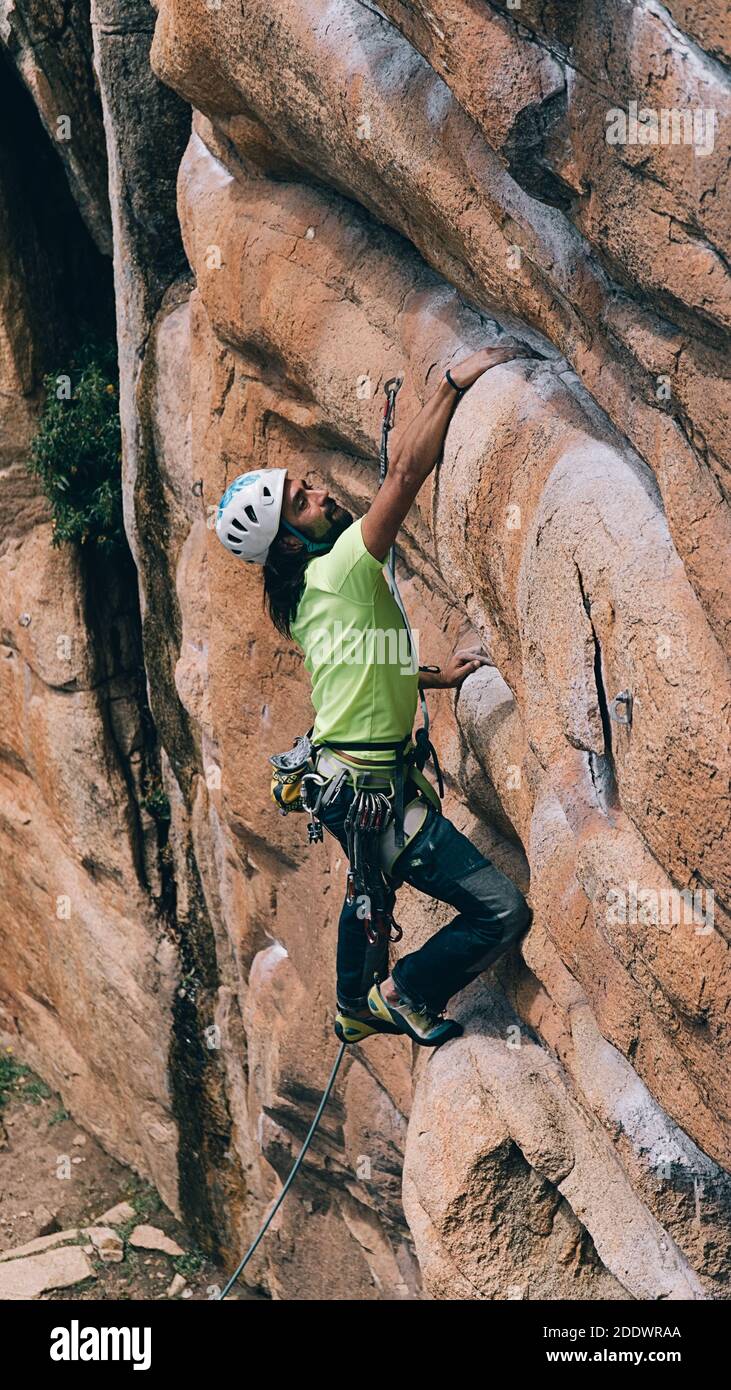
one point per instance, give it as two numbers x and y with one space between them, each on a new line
423 1025
351 1028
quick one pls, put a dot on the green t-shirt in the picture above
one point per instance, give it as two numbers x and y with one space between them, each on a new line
356 648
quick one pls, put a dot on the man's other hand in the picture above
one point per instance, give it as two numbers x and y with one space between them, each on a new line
461 665
467 371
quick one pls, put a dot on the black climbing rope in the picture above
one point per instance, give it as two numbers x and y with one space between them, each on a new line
295 1169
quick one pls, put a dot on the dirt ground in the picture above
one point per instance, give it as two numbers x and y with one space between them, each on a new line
34 1131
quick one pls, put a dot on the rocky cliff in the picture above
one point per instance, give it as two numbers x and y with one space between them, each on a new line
295 202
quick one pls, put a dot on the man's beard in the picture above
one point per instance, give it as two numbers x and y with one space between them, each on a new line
338 524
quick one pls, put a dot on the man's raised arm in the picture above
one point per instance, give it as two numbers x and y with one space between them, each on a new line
415 452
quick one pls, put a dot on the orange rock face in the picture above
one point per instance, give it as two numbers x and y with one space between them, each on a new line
365 193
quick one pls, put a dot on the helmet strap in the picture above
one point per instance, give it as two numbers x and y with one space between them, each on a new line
312 547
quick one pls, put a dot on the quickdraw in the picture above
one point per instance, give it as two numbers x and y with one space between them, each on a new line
368 816
391 388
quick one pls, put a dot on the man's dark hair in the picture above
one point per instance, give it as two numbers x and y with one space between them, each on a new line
284 580
284 574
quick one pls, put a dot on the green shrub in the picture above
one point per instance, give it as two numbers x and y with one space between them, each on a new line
77 451
188 1264
156 802
11 1071
17 1079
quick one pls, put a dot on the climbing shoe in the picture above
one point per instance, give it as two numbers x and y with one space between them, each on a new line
426 1027
351 1028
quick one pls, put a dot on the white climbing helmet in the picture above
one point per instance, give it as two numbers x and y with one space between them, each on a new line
249 514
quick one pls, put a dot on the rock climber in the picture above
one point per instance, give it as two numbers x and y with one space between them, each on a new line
324 577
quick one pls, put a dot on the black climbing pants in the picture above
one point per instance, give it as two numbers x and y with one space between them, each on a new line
491 915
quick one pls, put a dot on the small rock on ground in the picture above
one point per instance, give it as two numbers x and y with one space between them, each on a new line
54 1269
150 1238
